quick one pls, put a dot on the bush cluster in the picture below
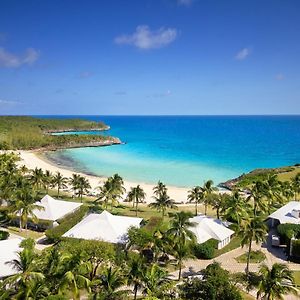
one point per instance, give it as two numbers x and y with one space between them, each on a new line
206 250
66 223
295 248
287 231
4 235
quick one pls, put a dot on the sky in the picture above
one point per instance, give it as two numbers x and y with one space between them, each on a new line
150 57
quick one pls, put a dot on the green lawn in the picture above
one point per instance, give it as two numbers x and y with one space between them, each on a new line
246 296
234 243
297 277
255 257
26 234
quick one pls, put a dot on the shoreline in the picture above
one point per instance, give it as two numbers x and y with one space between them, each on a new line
36 159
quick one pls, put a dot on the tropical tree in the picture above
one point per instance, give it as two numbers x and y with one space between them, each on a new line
252 229
83 187
208 189
154 281
28 275
257 194
24 205
74 182
181 235
37 177
236 207
159 189
135 275
287 190
59 181
196 195
218 201
296 185
47 180
162 203
272 190
110 282
138 195
275 282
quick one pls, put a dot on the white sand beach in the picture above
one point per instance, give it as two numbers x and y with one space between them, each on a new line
32 160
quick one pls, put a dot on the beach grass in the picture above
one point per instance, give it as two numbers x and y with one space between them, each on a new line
286 176
296 275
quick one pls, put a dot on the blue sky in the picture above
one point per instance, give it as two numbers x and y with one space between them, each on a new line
150 57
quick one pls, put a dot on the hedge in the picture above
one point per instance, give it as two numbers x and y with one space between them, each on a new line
4 235
295 248
206 250
54 234
287 231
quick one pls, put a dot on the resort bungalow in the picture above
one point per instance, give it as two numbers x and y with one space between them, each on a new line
105 227
54 209
289 213
8 251
208 228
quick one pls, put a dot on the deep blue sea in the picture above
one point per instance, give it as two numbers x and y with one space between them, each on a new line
186 150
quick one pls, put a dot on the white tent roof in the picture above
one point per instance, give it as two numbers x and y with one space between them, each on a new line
104 226
284 214
54 209
8 252
208 228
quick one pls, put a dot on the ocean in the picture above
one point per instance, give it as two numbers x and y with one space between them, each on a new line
187 150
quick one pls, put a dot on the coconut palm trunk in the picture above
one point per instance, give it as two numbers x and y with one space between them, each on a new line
248 257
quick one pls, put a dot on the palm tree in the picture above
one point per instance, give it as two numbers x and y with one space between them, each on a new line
287 190
74 182
111 281
252 229
159 189
154 279
36 177
257 194
181 234
218 202
24 206
134 276
27 273
162 203
130 198
272 190
47 180
60 182
208 189
196 195
138 196
76 275
235 208
296 185
275 282
83 187
105 193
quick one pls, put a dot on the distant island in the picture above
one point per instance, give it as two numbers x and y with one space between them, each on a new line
31 133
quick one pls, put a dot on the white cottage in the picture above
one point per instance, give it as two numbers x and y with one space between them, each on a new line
105 227
287 214
208 228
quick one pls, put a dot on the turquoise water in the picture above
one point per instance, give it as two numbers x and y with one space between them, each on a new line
185 151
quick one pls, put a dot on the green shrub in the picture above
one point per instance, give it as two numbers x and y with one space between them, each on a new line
295 244
205 250
4 235
287 231
66 223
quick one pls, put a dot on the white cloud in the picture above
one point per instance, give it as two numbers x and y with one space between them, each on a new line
243 54
10 60
144 38
279 76
185 2
8 102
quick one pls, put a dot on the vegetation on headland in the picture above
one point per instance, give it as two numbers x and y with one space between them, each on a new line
20 132
98 270
246 180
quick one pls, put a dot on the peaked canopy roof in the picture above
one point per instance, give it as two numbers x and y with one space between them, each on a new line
284 213
9 251
54 209
208 228
104 226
